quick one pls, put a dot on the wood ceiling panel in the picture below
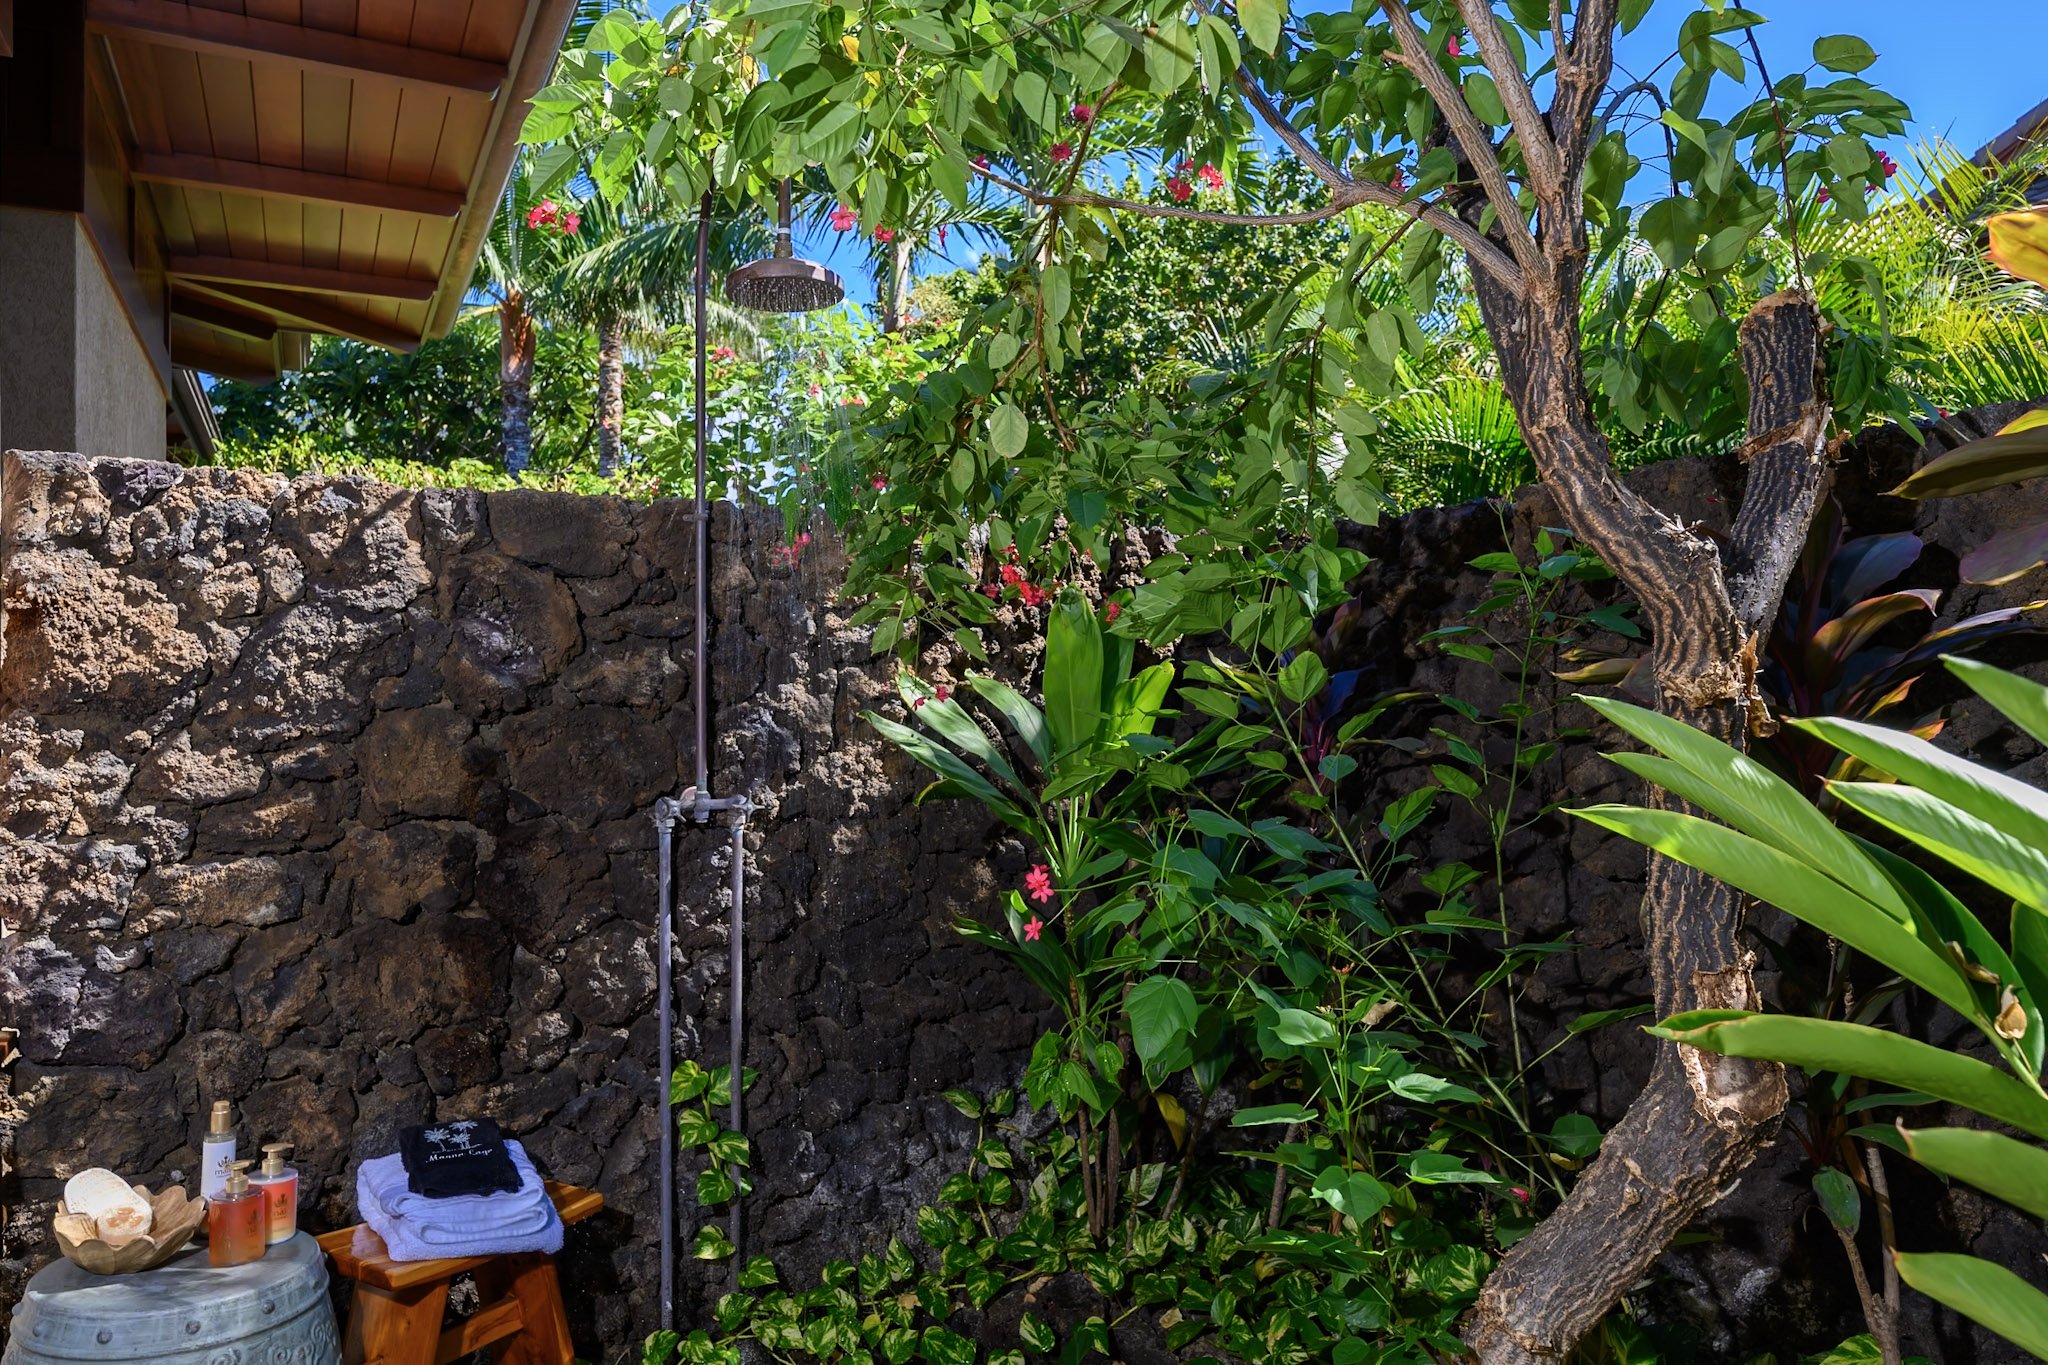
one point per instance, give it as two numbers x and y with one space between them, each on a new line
229 95
284 231
396 234
283 11
280 101
388 21
183 102
324 118
430 247
358 249
248 237
336 16
176 218
323 235
439 25
372 125
492 31
462 140
417 136
207 211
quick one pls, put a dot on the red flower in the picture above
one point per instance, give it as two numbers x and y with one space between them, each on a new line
1011 575
816 390
1033 927
1456 49
1891 167
991 591
1179 189
1518 1192
1083 113
570 223
916 702
542 214
1823 196
942 236
885 234
723 353
1038 883
843 219
880 483
1111 610
1211 178
1398 181
1061 151
942 692
981 163
1032 595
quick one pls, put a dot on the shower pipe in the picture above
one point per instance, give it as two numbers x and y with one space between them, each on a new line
698 804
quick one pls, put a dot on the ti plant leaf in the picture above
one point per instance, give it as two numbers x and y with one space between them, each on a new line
1983 1291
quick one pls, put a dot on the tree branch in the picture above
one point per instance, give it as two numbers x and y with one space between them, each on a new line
1539 153
1471 136
1787 451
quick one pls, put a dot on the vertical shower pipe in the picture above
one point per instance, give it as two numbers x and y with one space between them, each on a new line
698 803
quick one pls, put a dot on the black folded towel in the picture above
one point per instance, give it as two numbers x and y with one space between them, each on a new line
466 1156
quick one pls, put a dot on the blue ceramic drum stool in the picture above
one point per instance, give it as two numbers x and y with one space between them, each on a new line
185 1312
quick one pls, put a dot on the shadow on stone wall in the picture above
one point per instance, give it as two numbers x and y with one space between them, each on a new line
334 800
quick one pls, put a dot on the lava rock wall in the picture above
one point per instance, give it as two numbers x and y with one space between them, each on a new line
334 800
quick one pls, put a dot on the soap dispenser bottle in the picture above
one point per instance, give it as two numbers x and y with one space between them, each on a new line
234 1222
217 1151
278 1184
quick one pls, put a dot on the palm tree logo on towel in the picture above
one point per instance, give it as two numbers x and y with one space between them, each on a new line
454 1136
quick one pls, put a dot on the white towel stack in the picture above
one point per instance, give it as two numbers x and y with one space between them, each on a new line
416 1228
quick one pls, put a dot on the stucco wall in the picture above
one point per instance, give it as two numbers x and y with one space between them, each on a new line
73 373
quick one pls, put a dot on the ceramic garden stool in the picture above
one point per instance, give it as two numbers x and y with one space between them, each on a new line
185 1312
395 1317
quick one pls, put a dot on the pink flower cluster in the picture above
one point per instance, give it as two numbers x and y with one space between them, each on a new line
1181 186
548 214
787 556
844 219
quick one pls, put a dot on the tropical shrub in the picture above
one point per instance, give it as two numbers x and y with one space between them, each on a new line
1774 845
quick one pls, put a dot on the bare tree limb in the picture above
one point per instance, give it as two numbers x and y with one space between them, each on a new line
1789 466
1539 153
1471 135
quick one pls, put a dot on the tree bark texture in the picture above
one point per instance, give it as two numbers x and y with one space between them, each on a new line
1700 1119
515 381
611 391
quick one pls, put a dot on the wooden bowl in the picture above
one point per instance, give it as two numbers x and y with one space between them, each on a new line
173 1220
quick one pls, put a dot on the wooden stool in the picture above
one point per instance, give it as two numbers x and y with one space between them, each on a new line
396 1314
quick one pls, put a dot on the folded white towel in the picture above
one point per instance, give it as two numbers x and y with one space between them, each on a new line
416 1228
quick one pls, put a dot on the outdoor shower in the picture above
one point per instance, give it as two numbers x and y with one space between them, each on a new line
782 283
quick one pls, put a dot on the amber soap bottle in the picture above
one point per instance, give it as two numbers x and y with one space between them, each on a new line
234 1222
278 1186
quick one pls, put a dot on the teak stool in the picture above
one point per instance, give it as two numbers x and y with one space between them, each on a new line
396 1314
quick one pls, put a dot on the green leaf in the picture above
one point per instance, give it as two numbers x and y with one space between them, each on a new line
1027 720
1843 52
2021 700
1270 1114
953 768
1262 20
1056 287
1858 1050
1997 854
1996 1164
1073 675
1354 1194
952 724
1974 466
1839 1198
1303 677
1008 431
1983 1292
1303 1029
712 1243
1163 1014
1769 875
1442 1168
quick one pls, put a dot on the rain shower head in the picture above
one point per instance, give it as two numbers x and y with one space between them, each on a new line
783 283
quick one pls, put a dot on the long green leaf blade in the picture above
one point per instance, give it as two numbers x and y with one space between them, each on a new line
1027 720
950 721
1983 1292
2020 700
1858 1050
1737 789
1770 875
1993 854
1996 1164
952 767
2012 806
1073 675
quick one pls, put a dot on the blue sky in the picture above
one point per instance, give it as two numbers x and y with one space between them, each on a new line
1967 68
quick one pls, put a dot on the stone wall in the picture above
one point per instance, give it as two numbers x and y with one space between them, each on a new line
334 800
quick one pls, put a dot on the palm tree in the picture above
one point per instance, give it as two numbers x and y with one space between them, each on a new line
516 262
